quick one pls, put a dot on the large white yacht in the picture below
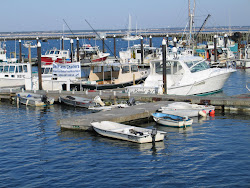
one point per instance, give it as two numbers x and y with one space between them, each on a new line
185 75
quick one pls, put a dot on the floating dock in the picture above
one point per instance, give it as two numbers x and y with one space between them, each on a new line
154 102
237 103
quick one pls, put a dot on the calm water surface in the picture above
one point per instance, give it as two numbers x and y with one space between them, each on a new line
35 152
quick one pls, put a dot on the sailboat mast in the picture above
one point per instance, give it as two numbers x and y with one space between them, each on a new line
191 17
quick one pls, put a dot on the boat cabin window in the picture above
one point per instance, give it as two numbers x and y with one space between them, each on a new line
196 66
6 69
19 69
172 67
116 68
97 69
125 69
25 68
57 52
12 69
107 69
51 52
134 68
47 70
1 68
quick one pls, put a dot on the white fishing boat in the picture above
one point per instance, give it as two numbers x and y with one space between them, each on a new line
33 99
172 120
76 101
14 74
185 75
90 53
186 109
55 55
28 44
127 132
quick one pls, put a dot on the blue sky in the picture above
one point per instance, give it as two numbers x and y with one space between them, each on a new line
48 15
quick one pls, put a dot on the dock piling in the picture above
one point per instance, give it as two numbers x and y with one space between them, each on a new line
39 65
71 49
20 51
142 50
77 45
114 46
215 48
150 41
164 66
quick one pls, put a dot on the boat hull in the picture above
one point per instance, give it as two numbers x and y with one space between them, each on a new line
31 99
186 109
104 86
125 134
171 120
77 101
207 85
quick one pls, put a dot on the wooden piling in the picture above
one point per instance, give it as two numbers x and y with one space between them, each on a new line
164 66
20 51
78 54
142 50
215 48
114 46
71 49
103 49
167 40
225 40
150 41
62 47
39 65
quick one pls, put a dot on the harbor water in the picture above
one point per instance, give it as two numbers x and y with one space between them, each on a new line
35 152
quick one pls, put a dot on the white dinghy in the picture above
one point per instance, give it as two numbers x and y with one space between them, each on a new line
172 120
34 99
127 132
186 109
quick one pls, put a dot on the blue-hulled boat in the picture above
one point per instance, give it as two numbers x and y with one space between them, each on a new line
172 120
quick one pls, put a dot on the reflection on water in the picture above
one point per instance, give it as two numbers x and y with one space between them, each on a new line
35 150
146 148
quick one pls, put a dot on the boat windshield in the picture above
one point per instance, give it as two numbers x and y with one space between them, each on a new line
196 66
51 52
172 67
134 68
125 69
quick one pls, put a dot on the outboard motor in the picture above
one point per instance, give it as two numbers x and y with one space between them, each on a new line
131 101
44 99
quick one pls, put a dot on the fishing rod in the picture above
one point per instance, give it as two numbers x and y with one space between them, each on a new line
71 31
101 39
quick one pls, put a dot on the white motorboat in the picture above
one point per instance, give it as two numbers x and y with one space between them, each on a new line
127 132
14 74
185 75
55 55
172 120
76 101
90 53
186 109
33 99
